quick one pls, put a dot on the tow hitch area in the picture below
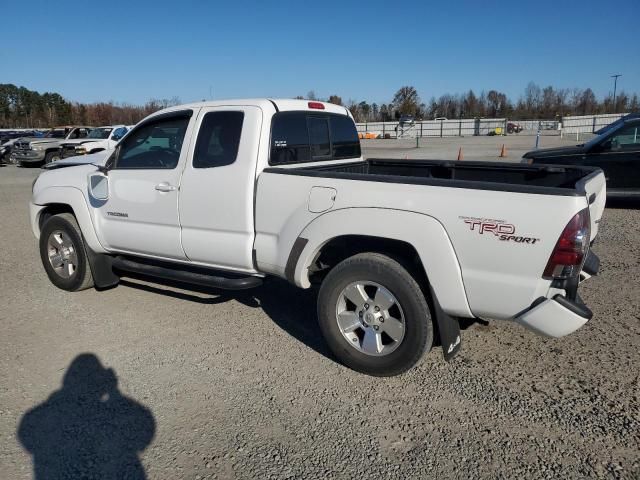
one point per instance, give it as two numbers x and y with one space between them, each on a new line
591 266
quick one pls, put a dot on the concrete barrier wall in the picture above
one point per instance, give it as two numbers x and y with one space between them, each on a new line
432 128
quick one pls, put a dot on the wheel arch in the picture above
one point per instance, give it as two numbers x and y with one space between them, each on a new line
54 200
402 234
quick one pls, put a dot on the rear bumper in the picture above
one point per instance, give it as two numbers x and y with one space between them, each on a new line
562 314
555 317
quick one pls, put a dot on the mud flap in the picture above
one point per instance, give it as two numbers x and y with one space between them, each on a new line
101 269
449 330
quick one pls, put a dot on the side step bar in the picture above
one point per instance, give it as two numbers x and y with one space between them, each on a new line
195 276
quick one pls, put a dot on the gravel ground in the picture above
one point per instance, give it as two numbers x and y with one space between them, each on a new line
242 386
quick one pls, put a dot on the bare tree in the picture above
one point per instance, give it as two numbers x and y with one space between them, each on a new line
406 100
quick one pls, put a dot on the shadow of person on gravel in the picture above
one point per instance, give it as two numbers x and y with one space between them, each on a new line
87 429
289 307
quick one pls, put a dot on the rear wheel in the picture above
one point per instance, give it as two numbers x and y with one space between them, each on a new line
374 316
63 255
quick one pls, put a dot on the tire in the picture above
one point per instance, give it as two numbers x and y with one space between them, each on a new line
377 274
61 232
51 157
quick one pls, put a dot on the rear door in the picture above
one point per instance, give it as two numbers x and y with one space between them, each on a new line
216 203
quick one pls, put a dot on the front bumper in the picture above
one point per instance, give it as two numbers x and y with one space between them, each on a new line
27 156
562 314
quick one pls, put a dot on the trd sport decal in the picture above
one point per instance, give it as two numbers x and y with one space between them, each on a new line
502 230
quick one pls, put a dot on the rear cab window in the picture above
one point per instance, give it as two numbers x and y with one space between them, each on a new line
299 137
218 139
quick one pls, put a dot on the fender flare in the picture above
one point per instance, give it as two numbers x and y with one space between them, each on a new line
424 233
75 199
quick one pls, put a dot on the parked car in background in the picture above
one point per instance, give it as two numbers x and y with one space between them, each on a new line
5 152
7 139
7 135
407 119
513 127
621 120
548 125
100 138
616 152
34 150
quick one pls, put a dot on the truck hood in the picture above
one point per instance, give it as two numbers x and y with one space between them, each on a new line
555 152
39 140
80 141
99 158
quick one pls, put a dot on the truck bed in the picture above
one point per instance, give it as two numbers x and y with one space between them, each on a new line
541 179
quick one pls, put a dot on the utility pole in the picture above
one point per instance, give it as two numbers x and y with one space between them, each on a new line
615 85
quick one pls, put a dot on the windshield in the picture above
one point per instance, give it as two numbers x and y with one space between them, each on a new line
598 138
55 133
611 126
100 133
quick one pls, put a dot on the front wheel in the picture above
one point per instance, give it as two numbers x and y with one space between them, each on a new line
63 255
374 316
51 157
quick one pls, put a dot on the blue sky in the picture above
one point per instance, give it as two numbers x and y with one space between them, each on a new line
132 51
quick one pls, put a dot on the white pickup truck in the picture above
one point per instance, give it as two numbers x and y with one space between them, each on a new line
226 194
99 139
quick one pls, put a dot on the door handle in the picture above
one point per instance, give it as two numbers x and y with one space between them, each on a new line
165 187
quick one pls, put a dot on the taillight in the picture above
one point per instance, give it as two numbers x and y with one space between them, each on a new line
569 253
316 105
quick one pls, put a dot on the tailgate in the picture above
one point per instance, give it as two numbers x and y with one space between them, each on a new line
596 191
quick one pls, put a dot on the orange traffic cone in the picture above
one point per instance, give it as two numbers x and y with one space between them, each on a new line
503 152
460 155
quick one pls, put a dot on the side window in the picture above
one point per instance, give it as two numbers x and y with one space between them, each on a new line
218 139
79 133
290 139
118 133
156 144
344 137
627 138
319 137
298 137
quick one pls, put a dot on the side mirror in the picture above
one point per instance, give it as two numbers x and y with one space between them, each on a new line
98 186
